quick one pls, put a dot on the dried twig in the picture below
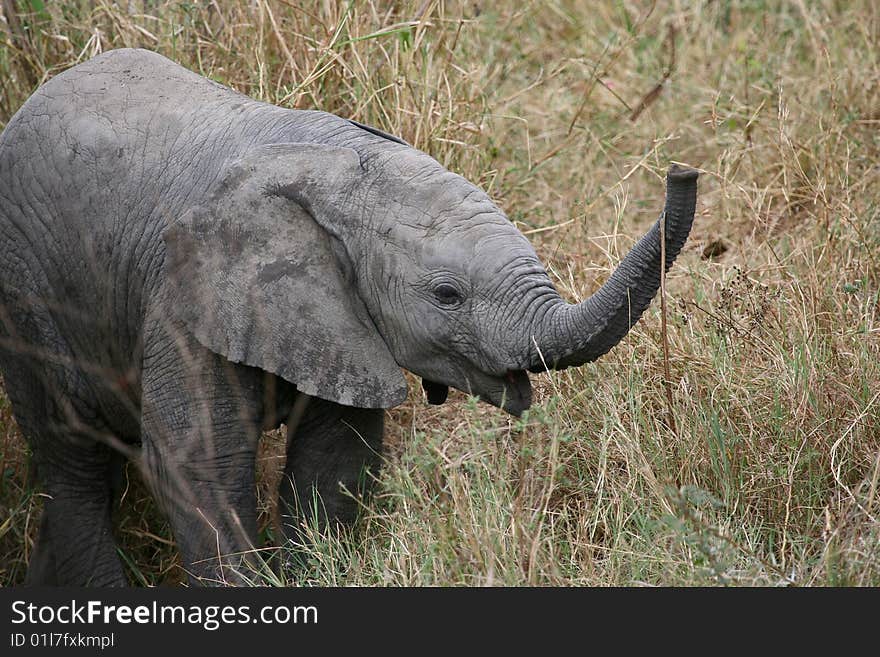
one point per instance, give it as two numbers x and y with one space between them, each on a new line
654 94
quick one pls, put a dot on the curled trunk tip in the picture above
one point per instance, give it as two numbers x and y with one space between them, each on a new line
679 173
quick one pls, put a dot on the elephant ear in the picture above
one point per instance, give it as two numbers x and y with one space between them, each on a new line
258 274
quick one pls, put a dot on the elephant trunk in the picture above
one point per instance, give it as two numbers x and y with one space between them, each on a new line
573 334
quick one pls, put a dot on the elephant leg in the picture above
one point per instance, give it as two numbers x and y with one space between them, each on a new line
200 428
328 457
41 568
75 545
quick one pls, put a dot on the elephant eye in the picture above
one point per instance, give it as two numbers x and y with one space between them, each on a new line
447 294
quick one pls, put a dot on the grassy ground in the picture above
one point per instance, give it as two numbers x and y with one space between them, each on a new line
758 460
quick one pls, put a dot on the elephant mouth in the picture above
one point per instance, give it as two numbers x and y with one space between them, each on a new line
436 392
511 392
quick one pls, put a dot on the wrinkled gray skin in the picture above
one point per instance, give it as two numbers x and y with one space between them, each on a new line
182 267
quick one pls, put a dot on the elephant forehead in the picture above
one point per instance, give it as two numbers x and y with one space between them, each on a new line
428 191
437 222
467 248
438 208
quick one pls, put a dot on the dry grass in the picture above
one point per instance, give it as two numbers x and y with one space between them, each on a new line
771 476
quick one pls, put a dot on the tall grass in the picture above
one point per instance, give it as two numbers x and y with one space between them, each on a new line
568 114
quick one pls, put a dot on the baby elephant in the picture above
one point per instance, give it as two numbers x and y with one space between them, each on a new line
182 267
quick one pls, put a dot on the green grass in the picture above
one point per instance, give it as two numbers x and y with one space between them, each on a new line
771 474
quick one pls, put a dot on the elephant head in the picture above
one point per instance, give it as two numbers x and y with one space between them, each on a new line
334 264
